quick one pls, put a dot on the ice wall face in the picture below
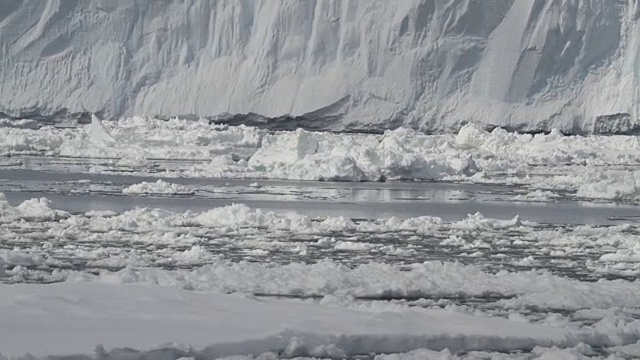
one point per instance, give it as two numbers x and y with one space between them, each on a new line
431 64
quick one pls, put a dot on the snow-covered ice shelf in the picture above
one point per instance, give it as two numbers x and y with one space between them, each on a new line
372 64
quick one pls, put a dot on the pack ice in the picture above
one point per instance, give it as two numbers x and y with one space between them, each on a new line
526 64
600 168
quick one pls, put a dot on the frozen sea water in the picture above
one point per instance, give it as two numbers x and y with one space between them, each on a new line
81 192
519 245
492 249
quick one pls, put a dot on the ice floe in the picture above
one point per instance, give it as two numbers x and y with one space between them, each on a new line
157 188
68 319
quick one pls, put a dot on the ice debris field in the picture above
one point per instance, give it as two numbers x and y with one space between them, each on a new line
246 282
549 165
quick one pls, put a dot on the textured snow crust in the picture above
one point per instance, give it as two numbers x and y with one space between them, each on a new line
586 167
525 64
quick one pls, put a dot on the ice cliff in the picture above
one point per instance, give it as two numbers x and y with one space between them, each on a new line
429 64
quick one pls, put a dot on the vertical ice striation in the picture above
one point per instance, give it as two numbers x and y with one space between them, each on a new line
504 72
430 64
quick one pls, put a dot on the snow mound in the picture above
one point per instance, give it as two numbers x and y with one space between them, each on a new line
159 187
376 64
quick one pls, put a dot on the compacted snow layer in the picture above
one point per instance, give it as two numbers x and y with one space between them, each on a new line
530 64
65 319
587 167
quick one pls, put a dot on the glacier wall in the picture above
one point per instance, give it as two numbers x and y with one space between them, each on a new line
429 64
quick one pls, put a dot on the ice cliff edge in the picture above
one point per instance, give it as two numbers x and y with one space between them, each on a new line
429 64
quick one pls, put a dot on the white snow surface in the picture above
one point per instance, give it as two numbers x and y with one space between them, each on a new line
587 167
529 64
66 319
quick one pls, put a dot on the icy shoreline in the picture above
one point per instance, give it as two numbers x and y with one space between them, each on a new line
586 167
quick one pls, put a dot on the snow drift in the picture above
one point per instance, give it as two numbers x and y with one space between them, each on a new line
430 64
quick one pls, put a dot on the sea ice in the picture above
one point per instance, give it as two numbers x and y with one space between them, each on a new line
598 167
135 265
66 319
157 188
